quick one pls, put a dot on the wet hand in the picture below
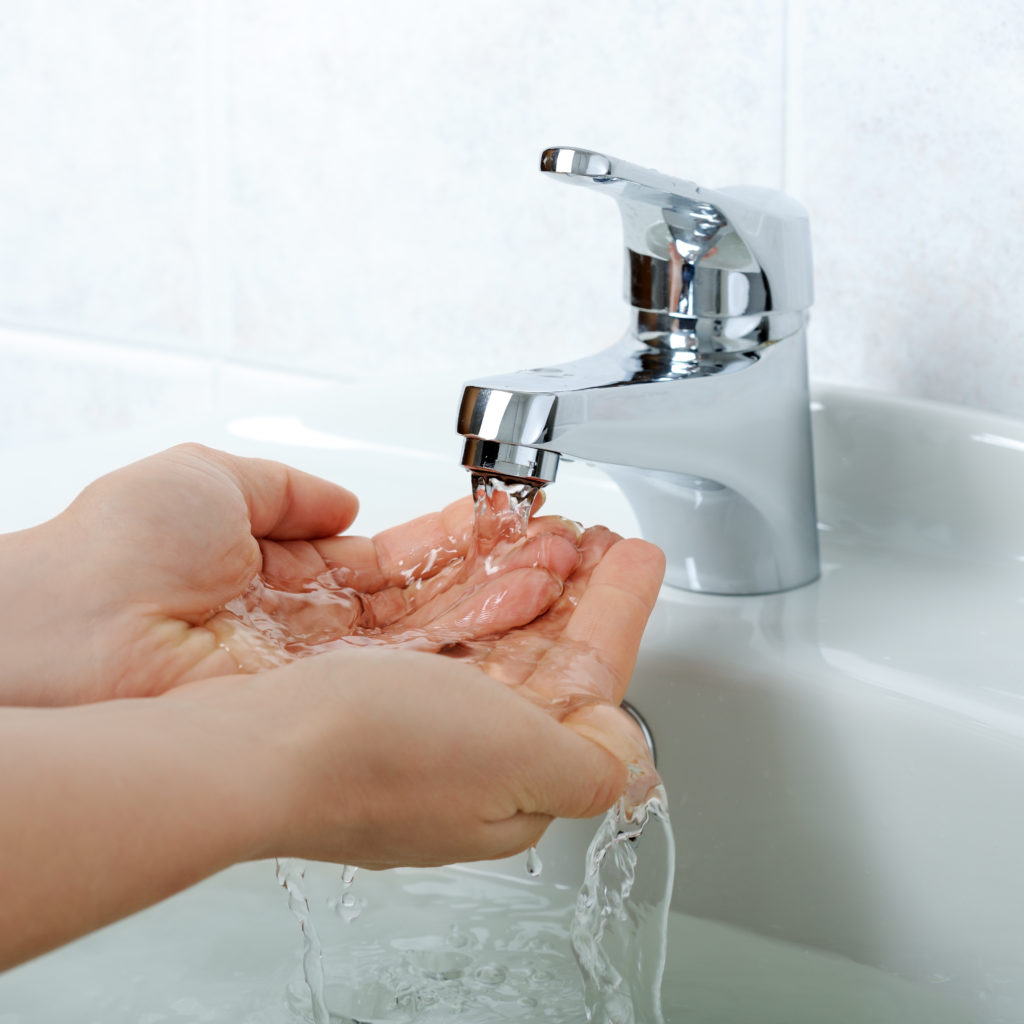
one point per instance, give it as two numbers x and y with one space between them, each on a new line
396 757
126 582
432 584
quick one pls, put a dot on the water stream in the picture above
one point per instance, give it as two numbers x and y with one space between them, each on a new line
612 945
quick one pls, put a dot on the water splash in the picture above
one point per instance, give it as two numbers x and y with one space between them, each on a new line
534 866
502 510
270 625
469 946
346 904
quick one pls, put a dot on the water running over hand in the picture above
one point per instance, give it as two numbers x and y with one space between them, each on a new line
269 627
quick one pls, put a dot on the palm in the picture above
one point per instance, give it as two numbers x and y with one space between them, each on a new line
423 585
214 542
555 615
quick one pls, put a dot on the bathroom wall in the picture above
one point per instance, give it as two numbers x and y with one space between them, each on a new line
193 192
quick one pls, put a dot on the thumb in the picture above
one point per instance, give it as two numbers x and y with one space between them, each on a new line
577 777
615 731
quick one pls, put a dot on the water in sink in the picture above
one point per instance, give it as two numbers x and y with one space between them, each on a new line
227 952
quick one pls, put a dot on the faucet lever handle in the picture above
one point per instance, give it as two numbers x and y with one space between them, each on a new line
585 167
697 252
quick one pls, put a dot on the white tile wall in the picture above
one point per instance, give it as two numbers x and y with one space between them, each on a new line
100 170
350 189
911 161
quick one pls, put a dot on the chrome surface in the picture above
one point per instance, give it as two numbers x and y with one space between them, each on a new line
644 728
701 411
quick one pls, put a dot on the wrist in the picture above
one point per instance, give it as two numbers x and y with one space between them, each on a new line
142 799
241 726
40 587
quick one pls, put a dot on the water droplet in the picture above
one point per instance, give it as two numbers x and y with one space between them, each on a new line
490 974
533 862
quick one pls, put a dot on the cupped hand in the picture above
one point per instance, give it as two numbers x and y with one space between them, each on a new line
394 757
438 583
127 583
148 586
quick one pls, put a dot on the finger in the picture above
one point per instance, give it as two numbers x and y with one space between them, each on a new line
593 546
613 609
283 503
425 547
435 602
500 604
290 564
614 730
399 555
575 778
513 658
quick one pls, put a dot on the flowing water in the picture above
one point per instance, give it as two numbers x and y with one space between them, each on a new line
268 627
478 945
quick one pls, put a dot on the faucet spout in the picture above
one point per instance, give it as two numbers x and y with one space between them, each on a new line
701 412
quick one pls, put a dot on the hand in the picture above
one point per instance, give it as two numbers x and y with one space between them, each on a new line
395 757
438 583
114 597
373 757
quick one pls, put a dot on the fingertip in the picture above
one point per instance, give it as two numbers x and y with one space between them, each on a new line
614 732
337 502
636 565
507 602
568 528
516 835
597 779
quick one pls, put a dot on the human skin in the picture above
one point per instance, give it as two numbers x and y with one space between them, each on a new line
137 760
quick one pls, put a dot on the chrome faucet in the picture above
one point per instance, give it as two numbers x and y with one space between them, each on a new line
701 412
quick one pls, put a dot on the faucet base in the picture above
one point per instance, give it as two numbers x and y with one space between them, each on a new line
715 541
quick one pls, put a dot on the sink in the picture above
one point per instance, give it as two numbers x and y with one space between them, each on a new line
844 762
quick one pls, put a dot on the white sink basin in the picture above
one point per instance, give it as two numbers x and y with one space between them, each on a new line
844 762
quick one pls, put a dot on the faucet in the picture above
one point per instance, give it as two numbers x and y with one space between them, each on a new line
701 412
